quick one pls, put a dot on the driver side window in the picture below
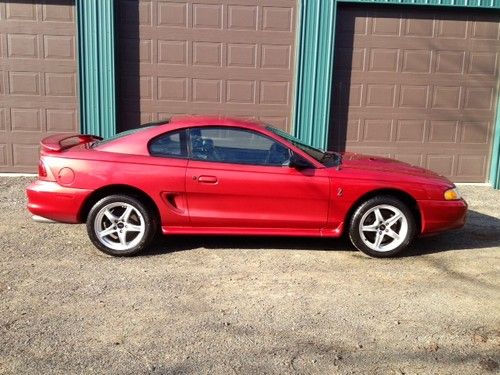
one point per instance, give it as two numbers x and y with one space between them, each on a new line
237 146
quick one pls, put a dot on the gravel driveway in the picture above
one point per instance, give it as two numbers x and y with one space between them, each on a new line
215 305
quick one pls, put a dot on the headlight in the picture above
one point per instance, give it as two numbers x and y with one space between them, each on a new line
452 194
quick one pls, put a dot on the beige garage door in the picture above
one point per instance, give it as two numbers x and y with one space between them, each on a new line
37 78
419 85
228 57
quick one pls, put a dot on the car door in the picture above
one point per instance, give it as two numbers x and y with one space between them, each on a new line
240 178
168 163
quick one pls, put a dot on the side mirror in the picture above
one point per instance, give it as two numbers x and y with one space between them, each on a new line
299 163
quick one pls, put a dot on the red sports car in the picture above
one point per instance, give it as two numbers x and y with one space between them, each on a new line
211 175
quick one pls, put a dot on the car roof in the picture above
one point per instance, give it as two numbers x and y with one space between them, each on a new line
187 121
136 143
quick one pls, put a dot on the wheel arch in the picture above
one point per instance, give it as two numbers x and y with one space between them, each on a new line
403 196
116 189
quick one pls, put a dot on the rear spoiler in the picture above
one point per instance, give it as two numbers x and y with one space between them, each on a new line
60 142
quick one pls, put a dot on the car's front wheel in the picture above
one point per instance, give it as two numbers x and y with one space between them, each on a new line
382 226
120 225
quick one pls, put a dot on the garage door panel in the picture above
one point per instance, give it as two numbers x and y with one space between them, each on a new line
419 138
25 155
483 63
156 72
210 13
487 27
416 43
364 79
417 97
38 78
206 57
417 84
205 35
28 66
471 167
214 108
465 166
35 28
416 63
52 10
407 128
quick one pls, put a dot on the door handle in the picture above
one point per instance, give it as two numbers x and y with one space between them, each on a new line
207 179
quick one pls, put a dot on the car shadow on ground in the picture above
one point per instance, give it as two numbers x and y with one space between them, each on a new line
480 231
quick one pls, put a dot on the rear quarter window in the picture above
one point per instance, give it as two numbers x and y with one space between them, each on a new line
171 144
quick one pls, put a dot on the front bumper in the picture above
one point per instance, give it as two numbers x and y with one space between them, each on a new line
55 202
438 216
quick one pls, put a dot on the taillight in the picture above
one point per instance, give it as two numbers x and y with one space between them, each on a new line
42 170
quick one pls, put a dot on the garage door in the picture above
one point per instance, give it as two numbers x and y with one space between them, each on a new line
205 57
37 78
419 85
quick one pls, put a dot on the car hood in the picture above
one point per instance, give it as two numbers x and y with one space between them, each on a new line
386 165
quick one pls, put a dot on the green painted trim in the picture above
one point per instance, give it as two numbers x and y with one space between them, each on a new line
314 71
495 151
298 28
96 52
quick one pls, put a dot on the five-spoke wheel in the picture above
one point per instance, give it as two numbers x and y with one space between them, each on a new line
382 226
120 225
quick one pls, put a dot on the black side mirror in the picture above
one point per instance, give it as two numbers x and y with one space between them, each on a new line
299 163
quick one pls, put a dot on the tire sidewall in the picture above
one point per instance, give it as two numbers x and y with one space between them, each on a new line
355 223
149 223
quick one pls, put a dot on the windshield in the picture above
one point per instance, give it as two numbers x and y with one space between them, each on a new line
327 158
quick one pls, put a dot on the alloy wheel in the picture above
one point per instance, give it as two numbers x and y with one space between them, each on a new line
383 228
119 226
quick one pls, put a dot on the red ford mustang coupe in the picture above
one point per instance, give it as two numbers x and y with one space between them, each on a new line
210 175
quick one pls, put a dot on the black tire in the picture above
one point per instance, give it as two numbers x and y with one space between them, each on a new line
372 231
127 225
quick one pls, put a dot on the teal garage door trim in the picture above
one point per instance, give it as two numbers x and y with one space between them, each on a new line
96 52
314 71
315 68
495 156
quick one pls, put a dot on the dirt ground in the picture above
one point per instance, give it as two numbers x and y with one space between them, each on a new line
215 305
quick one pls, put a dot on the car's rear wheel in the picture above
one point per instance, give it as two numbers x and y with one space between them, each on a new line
382 226
120 225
